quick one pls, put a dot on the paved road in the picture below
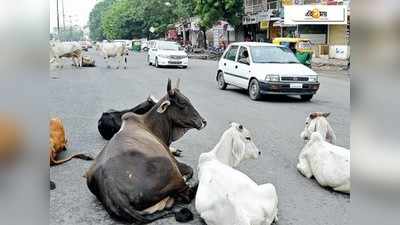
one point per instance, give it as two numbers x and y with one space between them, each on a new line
79 96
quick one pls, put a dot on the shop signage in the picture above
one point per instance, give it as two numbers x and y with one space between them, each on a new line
315 14
258 17
264 25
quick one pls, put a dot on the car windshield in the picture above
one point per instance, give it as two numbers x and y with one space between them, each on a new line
169 46
272 54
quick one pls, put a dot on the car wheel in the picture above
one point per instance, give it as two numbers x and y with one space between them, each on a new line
157 63
306 97
254 90
148 60
221 81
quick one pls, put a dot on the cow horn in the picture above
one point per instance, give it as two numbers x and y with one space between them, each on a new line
178 82
169 90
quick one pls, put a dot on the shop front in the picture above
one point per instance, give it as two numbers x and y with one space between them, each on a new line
325 25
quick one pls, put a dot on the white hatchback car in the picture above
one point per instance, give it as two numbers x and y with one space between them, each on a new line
264 68
166 53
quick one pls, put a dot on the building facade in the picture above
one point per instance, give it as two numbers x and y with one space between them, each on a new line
325 22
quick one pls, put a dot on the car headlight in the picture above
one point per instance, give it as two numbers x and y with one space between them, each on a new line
313 78
274 78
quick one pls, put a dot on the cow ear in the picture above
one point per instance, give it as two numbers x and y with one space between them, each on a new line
164 106
326 114
313 115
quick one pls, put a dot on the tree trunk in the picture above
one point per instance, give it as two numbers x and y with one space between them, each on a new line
205 37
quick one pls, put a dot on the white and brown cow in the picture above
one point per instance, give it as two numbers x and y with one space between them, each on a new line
61 50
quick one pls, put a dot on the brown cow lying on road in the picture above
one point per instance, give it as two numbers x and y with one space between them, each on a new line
135 176
58 143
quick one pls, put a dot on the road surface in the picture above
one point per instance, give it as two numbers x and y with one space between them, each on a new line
79 96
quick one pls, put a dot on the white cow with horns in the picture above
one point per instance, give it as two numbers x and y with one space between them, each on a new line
328 163
116 50
60 50
317 122
226 196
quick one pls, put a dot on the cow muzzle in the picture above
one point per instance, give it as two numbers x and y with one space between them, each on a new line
203 124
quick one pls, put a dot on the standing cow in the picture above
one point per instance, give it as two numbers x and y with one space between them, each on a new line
60 50
116 50
135 176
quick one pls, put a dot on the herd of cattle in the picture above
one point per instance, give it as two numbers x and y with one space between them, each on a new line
73 50
138 180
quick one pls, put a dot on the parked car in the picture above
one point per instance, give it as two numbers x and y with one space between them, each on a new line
166 53
263 68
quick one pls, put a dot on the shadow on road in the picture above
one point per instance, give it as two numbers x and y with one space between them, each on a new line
269 98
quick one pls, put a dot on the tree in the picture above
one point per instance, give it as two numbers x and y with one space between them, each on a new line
95 19
210 11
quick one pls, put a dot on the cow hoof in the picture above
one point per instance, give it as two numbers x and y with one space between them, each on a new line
184 215
108 67
52 185
177 153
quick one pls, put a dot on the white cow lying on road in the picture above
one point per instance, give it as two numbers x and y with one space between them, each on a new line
226 196
317 122
113 50
60 50
329 164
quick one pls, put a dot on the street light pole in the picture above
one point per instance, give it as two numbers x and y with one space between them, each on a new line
58 22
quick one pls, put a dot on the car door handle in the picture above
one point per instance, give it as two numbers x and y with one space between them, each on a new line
236 67
224 64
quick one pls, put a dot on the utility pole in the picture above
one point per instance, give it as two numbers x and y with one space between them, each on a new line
58 22
63 15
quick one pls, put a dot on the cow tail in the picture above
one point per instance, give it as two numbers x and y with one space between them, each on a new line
79 156
126 60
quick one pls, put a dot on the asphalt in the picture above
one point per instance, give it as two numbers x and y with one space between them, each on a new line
79 96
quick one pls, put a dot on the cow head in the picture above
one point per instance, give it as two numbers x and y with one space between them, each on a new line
243 146
180 111
315 122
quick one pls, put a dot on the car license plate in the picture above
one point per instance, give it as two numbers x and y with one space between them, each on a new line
174 62
296 85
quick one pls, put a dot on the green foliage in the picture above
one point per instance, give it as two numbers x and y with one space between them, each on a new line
127 19
95 19
210 11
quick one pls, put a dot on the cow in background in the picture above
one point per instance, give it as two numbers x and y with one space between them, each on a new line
116 50
61 50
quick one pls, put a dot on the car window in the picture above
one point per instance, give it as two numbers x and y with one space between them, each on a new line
231 53
243 56
272 54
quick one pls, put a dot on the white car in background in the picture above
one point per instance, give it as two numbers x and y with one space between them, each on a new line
128 43
166 53
263 68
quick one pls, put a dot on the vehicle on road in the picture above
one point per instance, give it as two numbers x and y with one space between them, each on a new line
264 68
128 43
166 53
301 47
